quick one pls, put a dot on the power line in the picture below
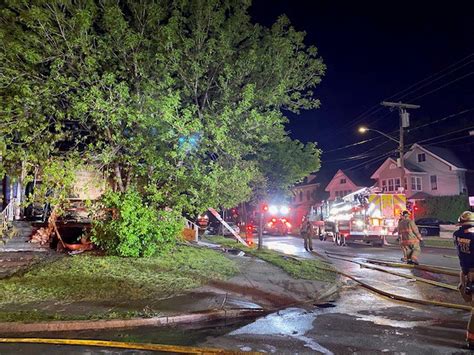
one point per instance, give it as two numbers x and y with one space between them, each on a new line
352 145
446 134
449 140
436 74
442 86
354 157
442 119
410 130
383 156
366 112
435 79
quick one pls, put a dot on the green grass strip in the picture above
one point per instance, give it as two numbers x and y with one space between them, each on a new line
308 269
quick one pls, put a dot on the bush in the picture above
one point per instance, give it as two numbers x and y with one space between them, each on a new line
445 208
137 228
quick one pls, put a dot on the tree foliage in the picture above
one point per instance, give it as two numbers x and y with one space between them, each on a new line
178 96
138 229
445 208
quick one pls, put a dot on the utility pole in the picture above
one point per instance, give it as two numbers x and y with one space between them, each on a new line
404 123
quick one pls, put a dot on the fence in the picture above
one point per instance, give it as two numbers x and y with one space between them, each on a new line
193 226
7 215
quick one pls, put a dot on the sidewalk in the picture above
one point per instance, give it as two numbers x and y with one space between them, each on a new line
258 288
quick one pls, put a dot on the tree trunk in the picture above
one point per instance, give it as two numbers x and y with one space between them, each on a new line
118 178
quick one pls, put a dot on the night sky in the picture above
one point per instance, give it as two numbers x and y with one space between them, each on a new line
374 50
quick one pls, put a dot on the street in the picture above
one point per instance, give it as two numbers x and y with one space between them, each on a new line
358 321
354 321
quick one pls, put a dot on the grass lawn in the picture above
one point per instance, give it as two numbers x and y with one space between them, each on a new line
102 278
438 242
308 269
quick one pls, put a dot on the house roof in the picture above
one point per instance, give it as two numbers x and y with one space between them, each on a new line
443 154
360 177
409 167
446 154
413 168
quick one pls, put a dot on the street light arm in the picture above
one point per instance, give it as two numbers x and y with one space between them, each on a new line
384 134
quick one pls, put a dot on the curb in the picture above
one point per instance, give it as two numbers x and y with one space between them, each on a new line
16 327
331 291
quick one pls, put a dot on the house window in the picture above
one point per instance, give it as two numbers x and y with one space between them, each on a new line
421 157
343 181
390 185
384 185
416 183
406 184
397 184
434 182
301 196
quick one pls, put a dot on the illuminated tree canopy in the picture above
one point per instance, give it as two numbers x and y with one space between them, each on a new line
183 98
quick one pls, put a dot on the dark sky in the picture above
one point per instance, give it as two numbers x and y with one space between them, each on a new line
374 50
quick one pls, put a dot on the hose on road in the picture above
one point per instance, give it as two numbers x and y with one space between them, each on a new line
119 345
392 296
429 268
412 277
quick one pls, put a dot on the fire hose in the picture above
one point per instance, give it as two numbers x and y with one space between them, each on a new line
403 298
119 345
429 268
412 277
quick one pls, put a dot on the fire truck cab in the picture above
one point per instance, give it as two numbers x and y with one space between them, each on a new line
364 215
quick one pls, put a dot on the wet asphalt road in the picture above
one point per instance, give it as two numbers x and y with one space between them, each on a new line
354 321
358 321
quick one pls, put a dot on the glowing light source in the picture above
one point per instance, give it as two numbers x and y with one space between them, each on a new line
273 209
284 210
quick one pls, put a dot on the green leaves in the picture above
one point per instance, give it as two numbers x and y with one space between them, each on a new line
118 83
139 229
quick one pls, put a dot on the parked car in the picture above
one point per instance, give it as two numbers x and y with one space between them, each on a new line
430 226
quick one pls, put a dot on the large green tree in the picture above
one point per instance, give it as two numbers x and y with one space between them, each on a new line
181 97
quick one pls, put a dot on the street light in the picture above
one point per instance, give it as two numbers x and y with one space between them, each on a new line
365 129
400 149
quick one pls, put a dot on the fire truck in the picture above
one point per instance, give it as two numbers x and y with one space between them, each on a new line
364 215
278 220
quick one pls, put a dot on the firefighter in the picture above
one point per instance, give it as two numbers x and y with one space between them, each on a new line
307 233
464 241
399 240
410 238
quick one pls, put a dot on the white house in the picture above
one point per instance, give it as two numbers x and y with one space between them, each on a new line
429 171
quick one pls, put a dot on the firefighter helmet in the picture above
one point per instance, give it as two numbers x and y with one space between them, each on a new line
466 217
406 213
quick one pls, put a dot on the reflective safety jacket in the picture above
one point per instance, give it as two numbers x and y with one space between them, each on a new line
408 232
464 242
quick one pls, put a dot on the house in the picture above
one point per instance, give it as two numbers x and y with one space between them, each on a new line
305 195
445 173
89 184
345 182
429 171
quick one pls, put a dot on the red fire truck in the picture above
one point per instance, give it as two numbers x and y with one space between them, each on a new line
363 216
278 220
